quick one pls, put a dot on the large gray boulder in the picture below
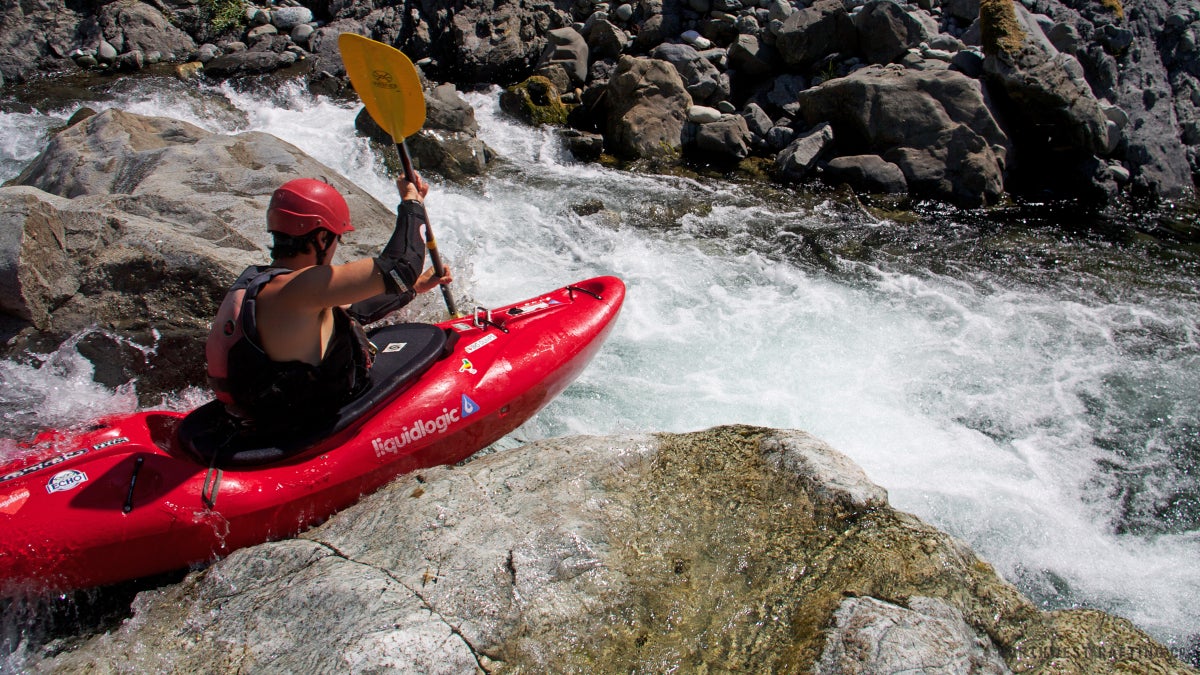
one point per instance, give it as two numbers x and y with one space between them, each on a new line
647 108
736 549
36 273
203 184
447 110
287 18
491 40
724 141
796 160
866 173
138 26
136 225
248 63
1140 62
704 82
935 125
39 36
448 143
1047 89
446 146
604 39
135 293
1060 129
568 48
751 58
1151 79
812 33
886 31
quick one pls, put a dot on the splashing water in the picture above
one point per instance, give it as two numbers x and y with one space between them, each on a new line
1030 393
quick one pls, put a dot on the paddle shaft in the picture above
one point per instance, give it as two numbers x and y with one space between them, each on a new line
390 89
430 243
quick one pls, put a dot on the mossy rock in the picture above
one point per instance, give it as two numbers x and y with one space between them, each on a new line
224 15
1000 32
1114 6
536 101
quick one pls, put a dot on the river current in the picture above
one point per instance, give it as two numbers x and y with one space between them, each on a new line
1025 379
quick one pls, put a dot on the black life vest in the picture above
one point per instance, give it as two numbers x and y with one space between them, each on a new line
281 395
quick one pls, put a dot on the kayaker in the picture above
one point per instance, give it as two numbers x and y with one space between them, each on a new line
287 347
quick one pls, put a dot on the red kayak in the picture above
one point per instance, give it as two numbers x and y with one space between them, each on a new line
140 494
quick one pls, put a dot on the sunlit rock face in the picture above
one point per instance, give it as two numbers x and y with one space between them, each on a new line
737 549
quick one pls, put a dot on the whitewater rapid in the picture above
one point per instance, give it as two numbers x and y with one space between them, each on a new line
1017 417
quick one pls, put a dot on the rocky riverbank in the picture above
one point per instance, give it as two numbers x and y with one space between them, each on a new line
736 549
962 100
135 226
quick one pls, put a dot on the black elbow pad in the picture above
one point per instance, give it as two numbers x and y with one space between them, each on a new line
403 257
375 308
398 276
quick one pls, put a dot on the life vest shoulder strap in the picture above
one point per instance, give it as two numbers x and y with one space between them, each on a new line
236 321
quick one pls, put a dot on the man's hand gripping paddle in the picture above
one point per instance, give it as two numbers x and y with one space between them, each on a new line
390 89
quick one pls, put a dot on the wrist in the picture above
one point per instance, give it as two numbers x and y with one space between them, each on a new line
410 210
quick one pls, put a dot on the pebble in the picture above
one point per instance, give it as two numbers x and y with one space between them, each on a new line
287 18
779 9
131 60
748 25
107 53
260 31
936 54
207 52
301 33
702 114
186 71
256 17
696 40
1113 133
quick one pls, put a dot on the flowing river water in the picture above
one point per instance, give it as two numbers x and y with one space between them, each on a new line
1026 380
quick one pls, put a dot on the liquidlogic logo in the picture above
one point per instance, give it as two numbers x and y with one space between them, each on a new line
422 428
11 503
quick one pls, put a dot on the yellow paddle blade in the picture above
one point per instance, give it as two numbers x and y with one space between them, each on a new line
387 82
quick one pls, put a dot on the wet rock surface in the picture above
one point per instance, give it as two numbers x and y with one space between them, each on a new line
736 549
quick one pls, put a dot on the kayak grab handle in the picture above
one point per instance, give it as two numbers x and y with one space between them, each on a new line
212 483
571 292
137 467
483 317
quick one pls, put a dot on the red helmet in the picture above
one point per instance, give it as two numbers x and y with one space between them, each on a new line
305 204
